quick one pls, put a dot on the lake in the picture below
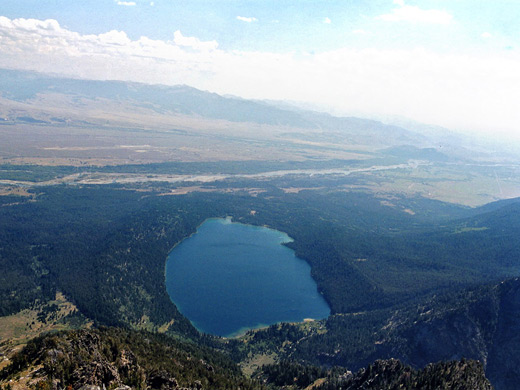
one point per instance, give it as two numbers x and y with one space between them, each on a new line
229 277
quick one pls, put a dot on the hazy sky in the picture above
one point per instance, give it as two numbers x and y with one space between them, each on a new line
454 63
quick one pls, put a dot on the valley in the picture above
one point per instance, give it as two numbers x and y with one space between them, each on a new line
411 239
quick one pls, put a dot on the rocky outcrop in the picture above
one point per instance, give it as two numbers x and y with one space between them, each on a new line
120 359
481 324
97 373
162 380
392 374
113 358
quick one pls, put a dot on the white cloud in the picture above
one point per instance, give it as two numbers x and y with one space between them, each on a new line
31 25
127 3
327 21
246 19
114 37
192 42
486 35
359 32
152 4
453 90
413 14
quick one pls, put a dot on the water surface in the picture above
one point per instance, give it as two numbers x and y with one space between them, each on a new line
229 277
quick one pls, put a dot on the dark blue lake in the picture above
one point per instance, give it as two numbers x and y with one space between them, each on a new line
230 277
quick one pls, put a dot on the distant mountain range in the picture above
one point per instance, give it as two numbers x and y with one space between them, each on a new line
22 86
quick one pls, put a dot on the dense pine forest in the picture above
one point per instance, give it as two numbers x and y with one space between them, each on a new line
387 274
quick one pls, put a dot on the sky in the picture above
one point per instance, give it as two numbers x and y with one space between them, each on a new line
453 63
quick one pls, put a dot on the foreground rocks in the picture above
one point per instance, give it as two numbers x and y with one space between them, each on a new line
118 359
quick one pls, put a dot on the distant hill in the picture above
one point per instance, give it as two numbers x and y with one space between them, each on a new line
507 205
23 86
412 152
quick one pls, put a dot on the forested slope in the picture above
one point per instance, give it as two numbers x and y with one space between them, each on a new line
111 357
105 247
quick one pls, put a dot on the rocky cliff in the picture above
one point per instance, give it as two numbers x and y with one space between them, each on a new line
392 374
481 323
118 359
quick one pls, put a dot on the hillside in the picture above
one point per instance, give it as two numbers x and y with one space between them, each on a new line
27 86
116 358
383 374
81 240
75 121
479 323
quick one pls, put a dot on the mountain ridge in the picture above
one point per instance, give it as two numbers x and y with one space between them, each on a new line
123 359
23 86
